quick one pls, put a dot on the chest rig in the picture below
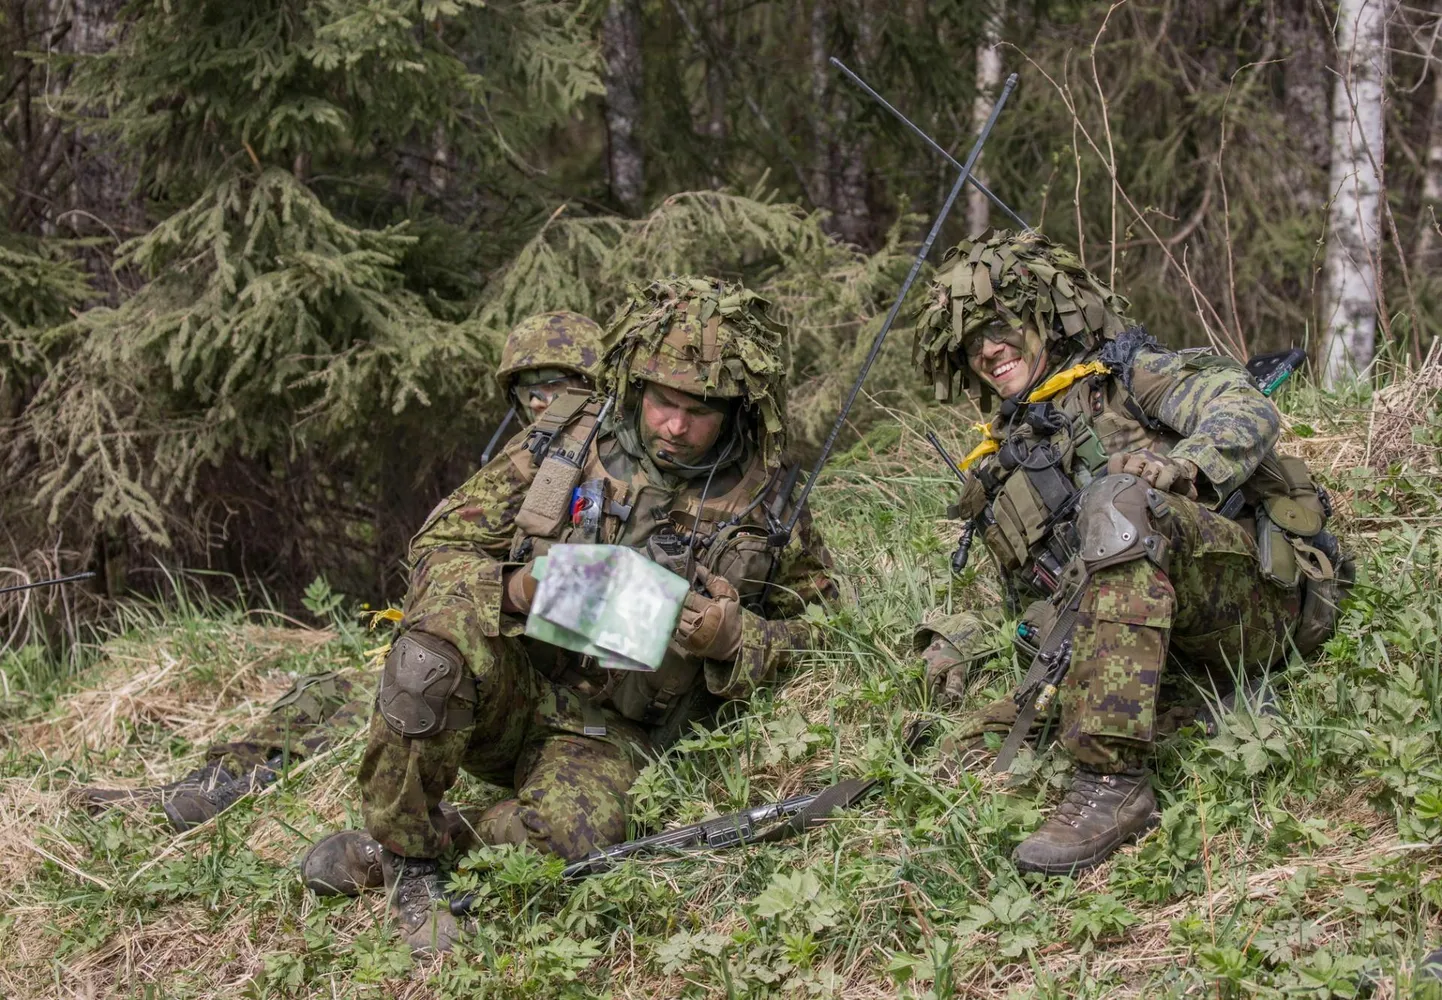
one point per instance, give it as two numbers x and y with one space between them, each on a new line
603 496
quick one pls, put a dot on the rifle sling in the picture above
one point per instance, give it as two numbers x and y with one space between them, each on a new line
1059 635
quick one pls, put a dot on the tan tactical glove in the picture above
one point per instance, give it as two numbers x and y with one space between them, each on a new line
1171 475
519 590
711 626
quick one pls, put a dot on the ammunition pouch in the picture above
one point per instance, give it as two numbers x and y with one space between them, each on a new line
547 506
1321 598
422 674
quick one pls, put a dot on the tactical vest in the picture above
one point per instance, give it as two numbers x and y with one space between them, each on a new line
653 519
1056 447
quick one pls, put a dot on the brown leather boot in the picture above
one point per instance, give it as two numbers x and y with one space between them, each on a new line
98 800
421 910
343 864
1098 814
190 807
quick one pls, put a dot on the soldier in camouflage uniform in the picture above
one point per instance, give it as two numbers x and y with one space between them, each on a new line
1134 495
688 469
542 357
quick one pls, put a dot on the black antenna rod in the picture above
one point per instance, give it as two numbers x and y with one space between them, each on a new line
974 182
971 157
46 583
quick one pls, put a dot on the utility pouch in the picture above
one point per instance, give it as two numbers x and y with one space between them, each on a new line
547 506
1284 488
1320 600
1276 557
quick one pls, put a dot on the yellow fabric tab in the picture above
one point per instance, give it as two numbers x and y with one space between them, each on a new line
388 615
1062 381
988 446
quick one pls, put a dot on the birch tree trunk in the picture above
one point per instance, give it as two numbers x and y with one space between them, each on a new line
988 78
621 50
1354 228
1430 216
839 176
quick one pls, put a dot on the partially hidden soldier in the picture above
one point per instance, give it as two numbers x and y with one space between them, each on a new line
1134 497
543 356
688 468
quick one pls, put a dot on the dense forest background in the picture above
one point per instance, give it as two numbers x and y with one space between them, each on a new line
256 258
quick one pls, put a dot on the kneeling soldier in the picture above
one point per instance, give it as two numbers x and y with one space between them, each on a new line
1134 495
688 469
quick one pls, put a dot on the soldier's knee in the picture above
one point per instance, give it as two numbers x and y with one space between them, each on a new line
1116 524
426 687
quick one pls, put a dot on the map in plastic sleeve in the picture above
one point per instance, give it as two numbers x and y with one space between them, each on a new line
607 601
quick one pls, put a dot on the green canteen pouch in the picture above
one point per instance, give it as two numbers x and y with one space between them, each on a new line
1284 488
547 506
1275 556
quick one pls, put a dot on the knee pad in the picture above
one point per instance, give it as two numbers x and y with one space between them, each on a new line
421 675
1114 523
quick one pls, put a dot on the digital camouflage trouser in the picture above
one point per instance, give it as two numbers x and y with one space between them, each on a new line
304 721
1212 613
528 733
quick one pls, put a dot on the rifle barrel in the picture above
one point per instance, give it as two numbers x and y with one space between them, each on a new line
974 182
966 169
46 583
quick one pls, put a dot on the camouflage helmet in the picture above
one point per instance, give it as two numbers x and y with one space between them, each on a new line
566 341
1012 279
706 337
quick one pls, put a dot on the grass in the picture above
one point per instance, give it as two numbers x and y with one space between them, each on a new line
1296 856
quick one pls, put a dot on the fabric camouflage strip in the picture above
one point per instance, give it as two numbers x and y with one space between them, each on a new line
707 337
564 340
1012 279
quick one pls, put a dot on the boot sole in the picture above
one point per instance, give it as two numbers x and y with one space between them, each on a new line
1098 858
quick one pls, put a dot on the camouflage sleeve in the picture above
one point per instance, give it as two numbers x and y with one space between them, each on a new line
459 554
803 576
1227 425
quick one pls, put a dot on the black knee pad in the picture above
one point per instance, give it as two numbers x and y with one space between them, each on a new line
1115 524
422 673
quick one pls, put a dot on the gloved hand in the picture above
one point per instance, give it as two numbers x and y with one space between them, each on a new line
1158 471
946 670
711 626
518 590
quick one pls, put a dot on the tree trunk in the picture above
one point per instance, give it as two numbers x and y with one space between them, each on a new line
839 173
621 50
715 72
988 78
1429 219
1354 238
1304 42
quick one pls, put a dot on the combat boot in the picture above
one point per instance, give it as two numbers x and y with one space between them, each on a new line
349 861
343 864
190 807
1098 814
98 800
421 910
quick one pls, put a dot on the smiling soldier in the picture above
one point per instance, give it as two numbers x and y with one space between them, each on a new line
1133 493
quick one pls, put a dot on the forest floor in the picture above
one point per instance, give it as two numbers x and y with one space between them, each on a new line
1297 854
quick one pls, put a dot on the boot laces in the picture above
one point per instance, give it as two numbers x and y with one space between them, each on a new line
418 886
1086 788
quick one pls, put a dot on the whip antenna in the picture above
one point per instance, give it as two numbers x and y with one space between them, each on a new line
1006 90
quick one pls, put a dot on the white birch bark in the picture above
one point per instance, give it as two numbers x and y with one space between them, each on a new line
1354 225
988 78
1430 218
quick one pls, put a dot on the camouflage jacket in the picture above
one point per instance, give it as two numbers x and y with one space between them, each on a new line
472 538
1121 398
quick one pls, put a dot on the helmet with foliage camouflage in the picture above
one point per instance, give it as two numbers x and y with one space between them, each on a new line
565 341
1012 280
706 337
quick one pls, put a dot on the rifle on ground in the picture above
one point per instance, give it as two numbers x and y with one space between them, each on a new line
761 824
46 583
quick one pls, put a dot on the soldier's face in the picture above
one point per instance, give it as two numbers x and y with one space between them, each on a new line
535 399
1007 360
677 426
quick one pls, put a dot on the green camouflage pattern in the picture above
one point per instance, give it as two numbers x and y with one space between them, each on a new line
566 341
317 712
1010 279
606 601
708 337
528 733
1146 641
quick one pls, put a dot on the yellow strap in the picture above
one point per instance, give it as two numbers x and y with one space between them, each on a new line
1062 381
988 445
